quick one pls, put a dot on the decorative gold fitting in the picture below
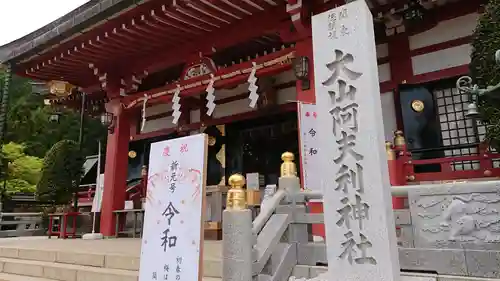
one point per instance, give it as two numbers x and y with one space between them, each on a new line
288 168
391 154
236 196
144 170
410 178
399 139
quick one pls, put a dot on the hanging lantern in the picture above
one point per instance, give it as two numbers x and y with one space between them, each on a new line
414 14
472 111
60 88
301 67
108 120
301 71
54 117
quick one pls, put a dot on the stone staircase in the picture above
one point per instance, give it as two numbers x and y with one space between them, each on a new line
118 259
27 263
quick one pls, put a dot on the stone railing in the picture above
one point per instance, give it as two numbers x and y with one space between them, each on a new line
268 247
449 229
20 224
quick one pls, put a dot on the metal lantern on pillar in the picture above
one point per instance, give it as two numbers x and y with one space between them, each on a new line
301 71
54 117
108 120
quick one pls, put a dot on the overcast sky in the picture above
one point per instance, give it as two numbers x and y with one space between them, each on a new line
20 17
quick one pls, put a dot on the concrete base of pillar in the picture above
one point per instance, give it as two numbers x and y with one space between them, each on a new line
92 236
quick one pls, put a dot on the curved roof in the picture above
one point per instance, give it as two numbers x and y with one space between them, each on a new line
86 15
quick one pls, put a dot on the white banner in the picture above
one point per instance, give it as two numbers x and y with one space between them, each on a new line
173 224
99 190
309 142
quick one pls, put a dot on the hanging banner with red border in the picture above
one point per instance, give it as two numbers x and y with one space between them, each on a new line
309 147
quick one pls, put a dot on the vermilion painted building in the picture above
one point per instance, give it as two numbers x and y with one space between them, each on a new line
129 55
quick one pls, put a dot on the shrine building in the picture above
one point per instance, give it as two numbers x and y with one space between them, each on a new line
236 70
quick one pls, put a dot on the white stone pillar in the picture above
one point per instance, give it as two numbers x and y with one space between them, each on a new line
360 232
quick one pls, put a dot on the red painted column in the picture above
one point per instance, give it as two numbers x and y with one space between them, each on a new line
401 71
115 173
304 48
401 68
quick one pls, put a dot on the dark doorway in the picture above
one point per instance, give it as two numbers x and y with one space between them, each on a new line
421 127
255 146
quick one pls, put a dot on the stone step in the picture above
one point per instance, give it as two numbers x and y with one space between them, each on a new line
29 270
212 267
64 272
12 277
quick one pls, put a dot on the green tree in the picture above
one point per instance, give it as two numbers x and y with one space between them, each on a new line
62 169
23 170
28 122
484 70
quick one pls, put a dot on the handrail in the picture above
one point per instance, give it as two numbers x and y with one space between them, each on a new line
267 210
454 159
401 190
310 194
444 148
19 214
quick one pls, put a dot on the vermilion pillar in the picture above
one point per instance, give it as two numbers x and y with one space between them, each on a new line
115 173
401 71
304 48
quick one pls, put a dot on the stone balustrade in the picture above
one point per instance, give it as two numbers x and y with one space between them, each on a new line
448 229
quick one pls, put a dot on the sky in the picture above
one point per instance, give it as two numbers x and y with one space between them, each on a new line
21 17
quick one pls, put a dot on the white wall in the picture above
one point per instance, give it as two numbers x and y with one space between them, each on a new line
445 31
446 58
160 123
442 59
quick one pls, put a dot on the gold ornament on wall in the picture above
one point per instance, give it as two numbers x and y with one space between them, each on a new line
211 140
417 105
132 154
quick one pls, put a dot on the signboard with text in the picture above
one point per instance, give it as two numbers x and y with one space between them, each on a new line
360 234
172 241
309 142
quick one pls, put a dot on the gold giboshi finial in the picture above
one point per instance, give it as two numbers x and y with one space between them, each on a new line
288 168
236 196
399 139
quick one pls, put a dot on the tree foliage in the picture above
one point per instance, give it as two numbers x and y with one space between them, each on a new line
23 170
29 128
62 169
484 69
28 122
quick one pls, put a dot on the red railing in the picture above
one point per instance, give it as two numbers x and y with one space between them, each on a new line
138 191
402 167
